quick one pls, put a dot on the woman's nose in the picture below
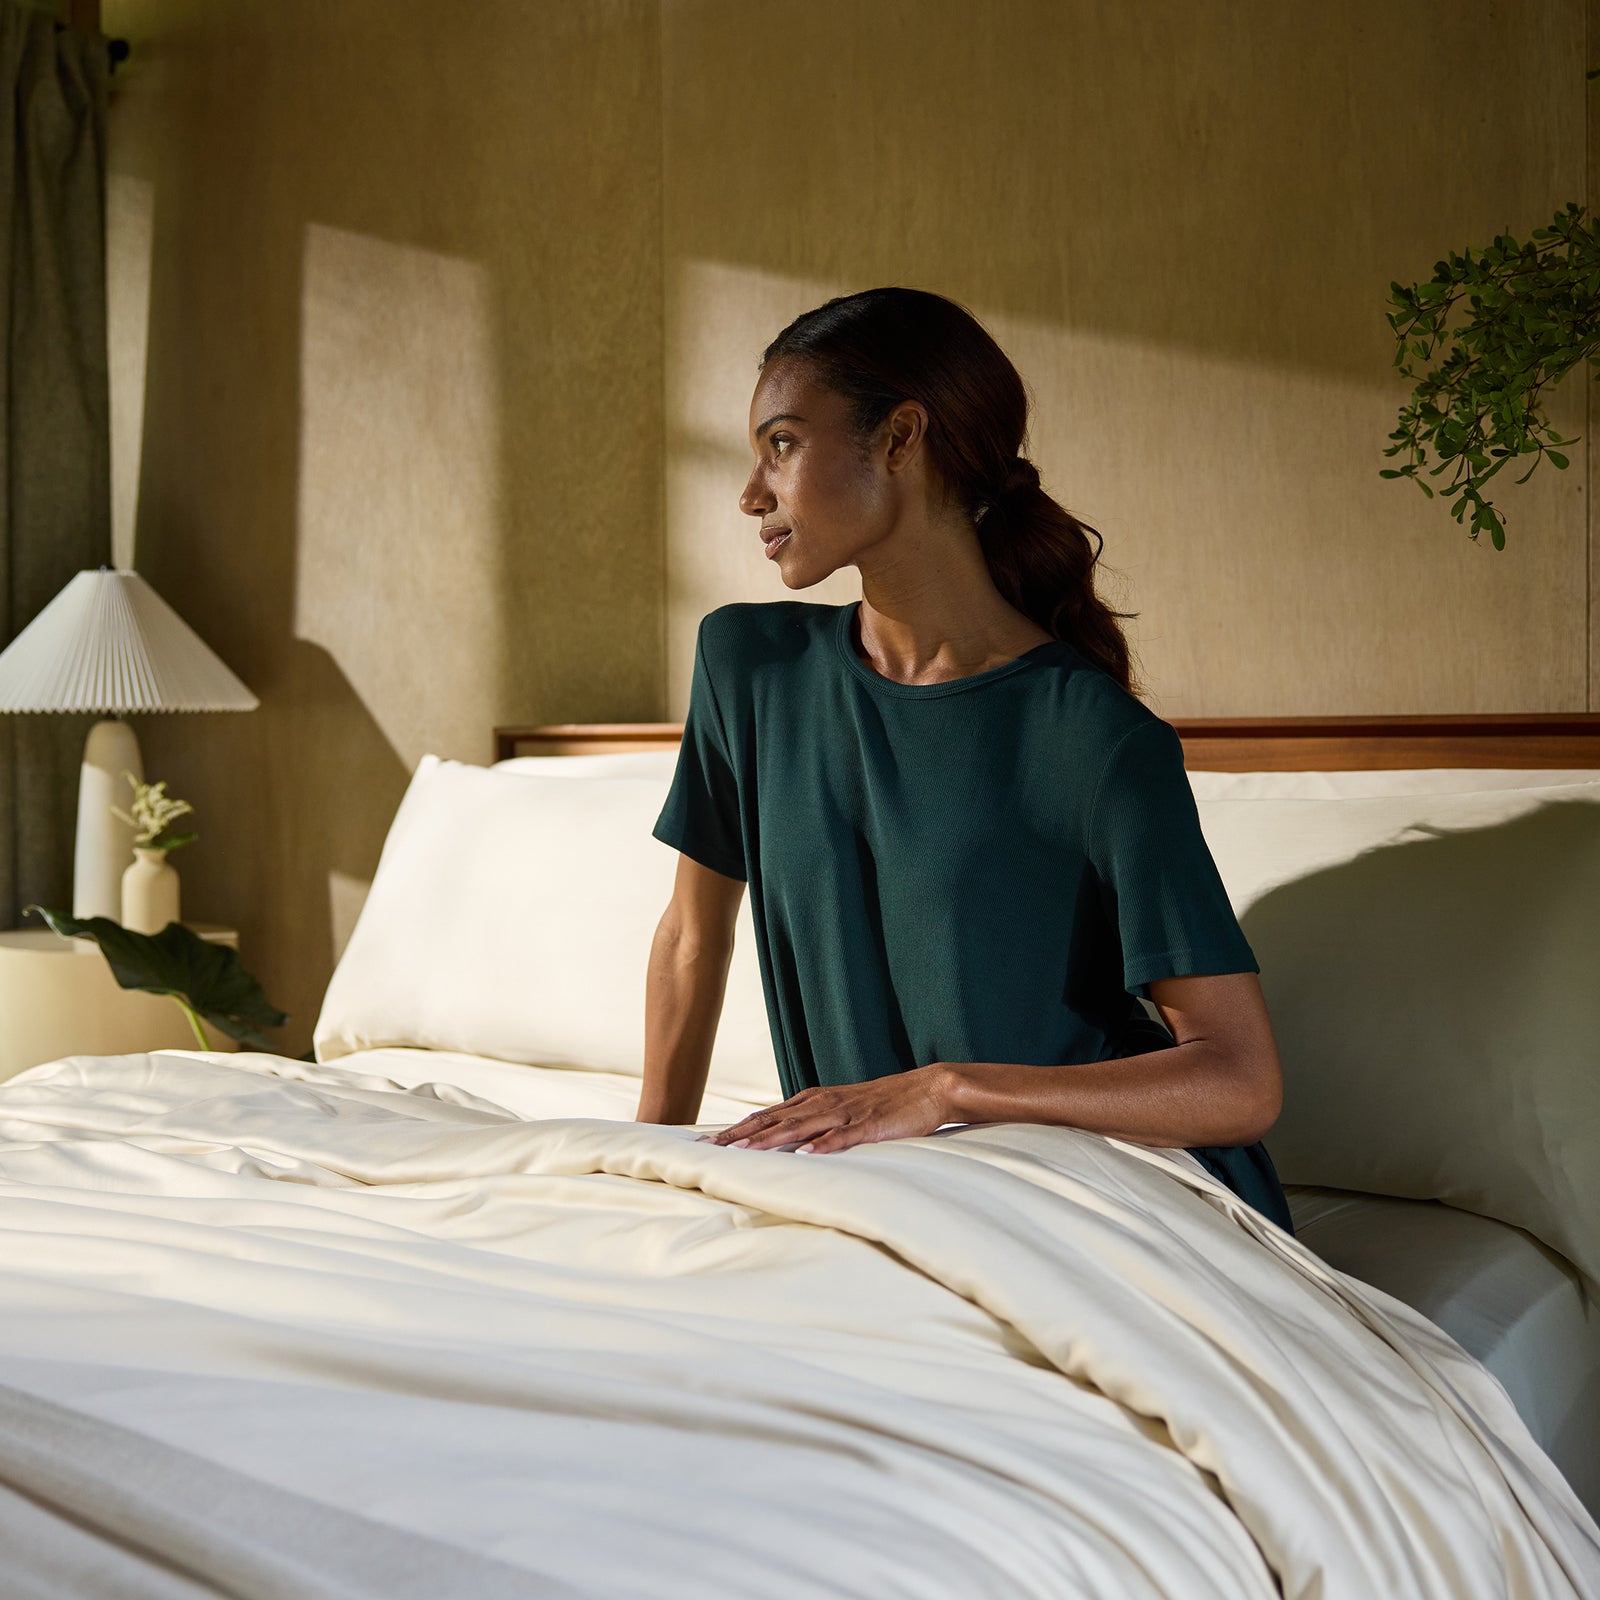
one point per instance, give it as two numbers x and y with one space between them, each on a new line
755 501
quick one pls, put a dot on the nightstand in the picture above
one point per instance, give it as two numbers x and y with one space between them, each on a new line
58 998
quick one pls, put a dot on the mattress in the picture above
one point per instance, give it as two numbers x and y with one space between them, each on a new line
1507 1299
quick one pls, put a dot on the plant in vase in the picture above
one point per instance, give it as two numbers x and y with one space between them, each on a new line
150 884
150 948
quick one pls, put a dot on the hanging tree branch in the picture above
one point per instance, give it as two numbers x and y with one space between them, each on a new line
1534 314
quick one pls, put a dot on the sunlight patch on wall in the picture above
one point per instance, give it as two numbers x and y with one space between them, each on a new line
399 493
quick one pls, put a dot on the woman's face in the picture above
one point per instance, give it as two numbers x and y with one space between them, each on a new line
811 483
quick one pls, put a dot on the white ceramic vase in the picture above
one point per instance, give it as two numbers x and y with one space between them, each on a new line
149 891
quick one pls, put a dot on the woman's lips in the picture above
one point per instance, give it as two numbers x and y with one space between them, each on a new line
775 542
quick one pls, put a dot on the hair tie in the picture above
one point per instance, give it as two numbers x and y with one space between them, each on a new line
1020 477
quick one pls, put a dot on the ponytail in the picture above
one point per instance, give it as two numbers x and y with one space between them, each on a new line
1039 558
880 347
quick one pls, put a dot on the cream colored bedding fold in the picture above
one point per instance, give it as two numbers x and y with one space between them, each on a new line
89 1509
1012 1361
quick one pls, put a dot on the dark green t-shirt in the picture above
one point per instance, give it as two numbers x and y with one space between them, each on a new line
988 869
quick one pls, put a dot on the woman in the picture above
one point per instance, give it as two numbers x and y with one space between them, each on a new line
969 845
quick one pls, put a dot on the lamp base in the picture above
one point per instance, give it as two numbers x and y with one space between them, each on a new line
104 842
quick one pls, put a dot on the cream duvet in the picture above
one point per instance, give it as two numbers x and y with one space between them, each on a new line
275 1328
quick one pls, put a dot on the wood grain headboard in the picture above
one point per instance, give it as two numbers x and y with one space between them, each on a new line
1227 744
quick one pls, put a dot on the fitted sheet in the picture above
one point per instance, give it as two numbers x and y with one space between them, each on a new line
998 1361
1520 1307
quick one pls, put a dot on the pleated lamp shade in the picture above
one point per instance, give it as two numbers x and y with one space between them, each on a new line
108 642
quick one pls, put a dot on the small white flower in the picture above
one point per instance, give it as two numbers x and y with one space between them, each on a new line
152 810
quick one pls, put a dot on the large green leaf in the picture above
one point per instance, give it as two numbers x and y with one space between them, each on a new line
201 975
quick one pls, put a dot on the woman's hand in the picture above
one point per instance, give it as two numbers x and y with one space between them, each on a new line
903 1105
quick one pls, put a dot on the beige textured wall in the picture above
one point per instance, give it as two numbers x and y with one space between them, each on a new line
1181 221
434 331
391 443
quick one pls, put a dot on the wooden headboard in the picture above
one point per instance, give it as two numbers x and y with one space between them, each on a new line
1227 744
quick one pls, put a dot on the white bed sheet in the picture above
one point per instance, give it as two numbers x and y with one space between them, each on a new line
1514 1303
1065 1366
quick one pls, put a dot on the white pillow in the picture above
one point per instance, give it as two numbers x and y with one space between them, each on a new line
614 764
1379 781
1431 963
512 916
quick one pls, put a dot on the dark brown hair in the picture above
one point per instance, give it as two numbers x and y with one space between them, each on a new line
882 346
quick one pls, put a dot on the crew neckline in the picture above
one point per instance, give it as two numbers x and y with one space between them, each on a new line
973 680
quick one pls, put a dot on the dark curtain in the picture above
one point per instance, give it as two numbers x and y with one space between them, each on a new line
55 423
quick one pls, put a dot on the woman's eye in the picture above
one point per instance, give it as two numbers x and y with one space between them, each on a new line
777 440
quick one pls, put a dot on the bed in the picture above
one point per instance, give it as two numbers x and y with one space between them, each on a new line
430 1315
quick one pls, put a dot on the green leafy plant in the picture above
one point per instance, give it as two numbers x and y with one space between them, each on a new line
205 978
152 811
1534 314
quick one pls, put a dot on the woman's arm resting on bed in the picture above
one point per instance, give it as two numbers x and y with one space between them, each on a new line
1221 1084
683 1004
684 989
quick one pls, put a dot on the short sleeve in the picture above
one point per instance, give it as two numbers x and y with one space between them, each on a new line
1158 881
701 814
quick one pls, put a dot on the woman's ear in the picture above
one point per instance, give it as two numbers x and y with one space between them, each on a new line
907 427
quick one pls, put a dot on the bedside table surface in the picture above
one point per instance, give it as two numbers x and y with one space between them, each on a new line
46 941
50 1009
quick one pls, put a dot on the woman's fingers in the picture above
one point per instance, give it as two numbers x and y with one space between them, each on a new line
901 1105
781 1124
734 1130
759 1121
815 1121
836 1138
797 1125
747 1127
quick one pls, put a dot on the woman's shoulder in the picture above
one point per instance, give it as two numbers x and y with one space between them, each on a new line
743 633
1103 712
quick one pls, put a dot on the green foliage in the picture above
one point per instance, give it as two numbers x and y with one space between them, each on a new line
1534 314
202 976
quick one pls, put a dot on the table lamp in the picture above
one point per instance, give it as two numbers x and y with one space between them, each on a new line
109 642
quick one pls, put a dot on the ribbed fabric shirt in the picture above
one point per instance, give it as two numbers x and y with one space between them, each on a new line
992 868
